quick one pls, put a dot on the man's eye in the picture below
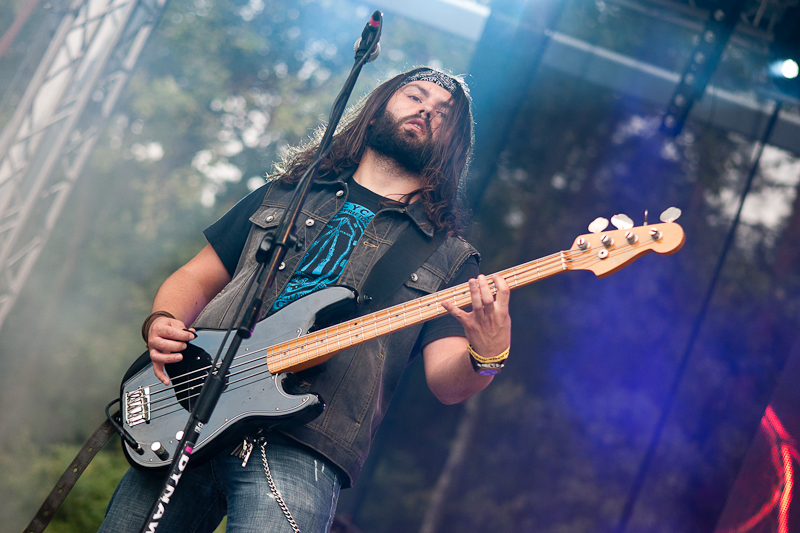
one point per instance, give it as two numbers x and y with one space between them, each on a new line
442 114
414 97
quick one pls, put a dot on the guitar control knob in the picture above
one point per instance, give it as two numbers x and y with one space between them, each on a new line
583 244
631 237
179 435
607 241
655 234
160 451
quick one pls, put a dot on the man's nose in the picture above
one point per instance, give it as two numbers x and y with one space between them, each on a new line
425 109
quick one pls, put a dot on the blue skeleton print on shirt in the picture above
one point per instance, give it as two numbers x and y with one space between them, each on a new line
328 255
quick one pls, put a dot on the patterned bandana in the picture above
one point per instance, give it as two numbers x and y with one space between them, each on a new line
434 76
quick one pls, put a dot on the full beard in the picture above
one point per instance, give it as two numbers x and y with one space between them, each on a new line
410 151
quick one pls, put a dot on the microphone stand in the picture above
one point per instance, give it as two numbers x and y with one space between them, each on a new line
270 253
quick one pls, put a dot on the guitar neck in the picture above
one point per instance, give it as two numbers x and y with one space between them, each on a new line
317 347
602 253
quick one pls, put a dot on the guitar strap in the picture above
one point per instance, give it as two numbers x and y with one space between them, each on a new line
70 477
399 262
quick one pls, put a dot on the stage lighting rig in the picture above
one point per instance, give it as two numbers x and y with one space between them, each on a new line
711 43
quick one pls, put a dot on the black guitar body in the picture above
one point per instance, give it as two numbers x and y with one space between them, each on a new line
253 397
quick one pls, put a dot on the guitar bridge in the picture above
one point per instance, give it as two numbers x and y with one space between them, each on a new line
136 406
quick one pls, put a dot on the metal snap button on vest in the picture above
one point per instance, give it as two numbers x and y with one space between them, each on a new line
282 266
414 277
310 222
270 218
339 194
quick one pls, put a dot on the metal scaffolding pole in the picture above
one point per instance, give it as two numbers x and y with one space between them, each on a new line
46 143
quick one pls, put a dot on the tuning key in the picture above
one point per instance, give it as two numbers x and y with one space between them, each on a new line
655 234
622 221
670 215
598 225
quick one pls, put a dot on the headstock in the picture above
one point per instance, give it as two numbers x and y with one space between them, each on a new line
605 252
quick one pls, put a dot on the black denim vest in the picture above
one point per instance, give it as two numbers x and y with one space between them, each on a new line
356 384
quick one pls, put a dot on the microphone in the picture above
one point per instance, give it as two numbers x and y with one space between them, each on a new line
371 34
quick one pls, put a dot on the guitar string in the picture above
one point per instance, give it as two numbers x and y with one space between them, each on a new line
198 381
542 260
442 296
374 321
229 387
531 272
459 293
294 348
156 412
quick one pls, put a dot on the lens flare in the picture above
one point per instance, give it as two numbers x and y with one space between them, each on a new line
789 69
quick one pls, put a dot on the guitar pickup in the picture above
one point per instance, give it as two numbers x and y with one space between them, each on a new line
136 406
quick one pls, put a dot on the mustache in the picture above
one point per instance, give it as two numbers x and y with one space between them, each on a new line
426 120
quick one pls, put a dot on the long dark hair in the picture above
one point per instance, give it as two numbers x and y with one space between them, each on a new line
442 191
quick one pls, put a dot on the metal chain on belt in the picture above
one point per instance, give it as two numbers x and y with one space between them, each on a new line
274 489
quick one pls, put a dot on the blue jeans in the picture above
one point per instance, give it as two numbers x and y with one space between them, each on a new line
222 487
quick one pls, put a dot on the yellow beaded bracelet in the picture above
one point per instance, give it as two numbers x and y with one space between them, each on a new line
496 359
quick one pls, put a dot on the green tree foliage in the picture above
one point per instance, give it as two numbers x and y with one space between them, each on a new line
221 89
85 505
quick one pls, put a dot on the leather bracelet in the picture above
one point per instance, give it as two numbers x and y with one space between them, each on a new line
149 322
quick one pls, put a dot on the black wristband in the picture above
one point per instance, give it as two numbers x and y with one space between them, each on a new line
486 369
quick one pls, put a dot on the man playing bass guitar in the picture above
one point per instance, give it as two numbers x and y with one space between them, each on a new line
395 172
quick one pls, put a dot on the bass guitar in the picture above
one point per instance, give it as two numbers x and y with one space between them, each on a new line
152 413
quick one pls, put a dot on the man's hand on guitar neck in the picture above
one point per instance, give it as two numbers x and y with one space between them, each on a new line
448 368
488 325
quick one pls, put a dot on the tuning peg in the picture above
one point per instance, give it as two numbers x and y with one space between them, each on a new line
598 225
670 215
622 221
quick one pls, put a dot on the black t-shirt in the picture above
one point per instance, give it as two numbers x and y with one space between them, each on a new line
327 256
228 236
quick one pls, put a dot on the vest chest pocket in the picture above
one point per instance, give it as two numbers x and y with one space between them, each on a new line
424 280
267 216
